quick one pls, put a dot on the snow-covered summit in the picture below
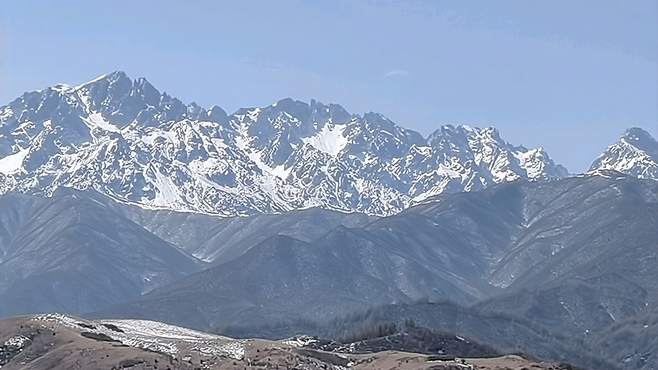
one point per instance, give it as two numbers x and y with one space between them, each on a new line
635 153
127 139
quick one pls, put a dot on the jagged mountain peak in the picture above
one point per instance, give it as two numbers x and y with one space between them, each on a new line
127 139
112 77
289 104
305 113
641 140
117 78
635 154
464 132
121 99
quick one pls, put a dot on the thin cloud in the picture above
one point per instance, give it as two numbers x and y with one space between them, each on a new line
396 73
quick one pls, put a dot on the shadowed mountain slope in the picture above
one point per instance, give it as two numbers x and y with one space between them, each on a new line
71 253
574 254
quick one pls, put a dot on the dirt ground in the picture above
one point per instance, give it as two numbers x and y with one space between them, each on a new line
27 343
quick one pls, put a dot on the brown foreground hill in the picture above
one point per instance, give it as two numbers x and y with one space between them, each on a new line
65 342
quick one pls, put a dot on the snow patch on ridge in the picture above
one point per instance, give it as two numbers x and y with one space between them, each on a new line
155 336
150 334
166 194
329 140
14 162
97 120
530 161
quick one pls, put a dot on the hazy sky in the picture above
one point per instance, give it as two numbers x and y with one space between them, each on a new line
568 75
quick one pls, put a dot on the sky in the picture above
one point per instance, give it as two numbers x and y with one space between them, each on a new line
566 75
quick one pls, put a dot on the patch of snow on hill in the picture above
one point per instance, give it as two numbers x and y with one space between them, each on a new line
329 140
14 162
153 335
97 120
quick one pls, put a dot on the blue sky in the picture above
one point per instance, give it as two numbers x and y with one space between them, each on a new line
566 75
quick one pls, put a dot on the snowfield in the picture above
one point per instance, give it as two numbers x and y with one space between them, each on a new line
13 163
330 139
155 336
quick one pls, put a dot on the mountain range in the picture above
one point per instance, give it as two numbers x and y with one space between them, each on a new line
543 255
561 269
126 139
122 201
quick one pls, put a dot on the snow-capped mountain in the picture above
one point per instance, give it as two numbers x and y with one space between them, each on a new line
636 154
128 140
